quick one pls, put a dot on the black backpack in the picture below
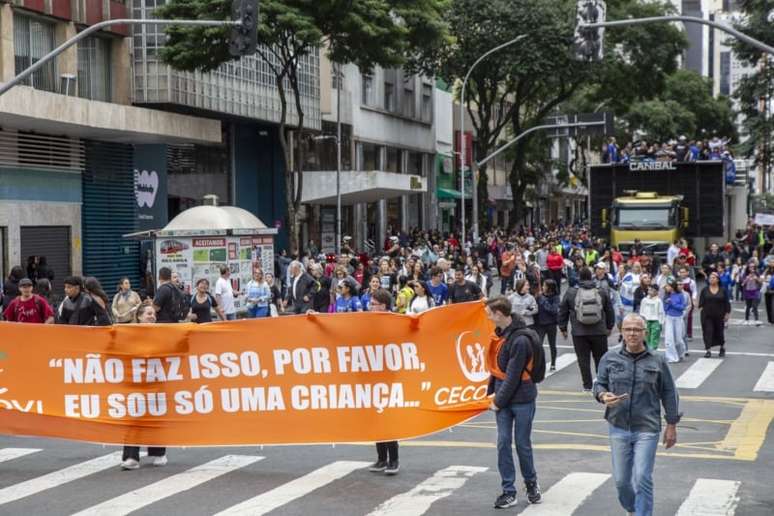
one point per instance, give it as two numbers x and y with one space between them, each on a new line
179 306
538 372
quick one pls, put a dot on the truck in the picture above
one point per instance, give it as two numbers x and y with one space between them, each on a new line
659 202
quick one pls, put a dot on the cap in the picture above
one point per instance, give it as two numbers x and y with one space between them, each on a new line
394 238
347 238
601 265
25 282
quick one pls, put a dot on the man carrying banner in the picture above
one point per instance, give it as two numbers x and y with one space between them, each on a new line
514 401
387 452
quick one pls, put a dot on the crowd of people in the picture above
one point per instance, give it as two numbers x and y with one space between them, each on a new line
681 150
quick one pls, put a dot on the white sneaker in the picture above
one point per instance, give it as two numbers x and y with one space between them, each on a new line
130 464
160 461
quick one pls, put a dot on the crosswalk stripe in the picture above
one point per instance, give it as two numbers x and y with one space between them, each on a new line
419 499
699 371
766 381
710 497
15 453
294 489
59 477
563 361
170 486
567 495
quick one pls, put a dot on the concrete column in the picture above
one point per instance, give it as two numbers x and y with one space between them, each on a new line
359 212
121 71
7 66
404 212
381 229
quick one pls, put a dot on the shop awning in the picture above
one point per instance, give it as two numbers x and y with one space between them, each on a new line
451 194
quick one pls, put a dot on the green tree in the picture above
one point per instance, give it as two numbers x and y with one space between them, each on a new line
756 91
364 32
661 120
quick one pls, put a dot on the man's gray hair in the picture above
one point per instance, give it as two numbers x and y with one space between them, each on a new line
634 317
300 265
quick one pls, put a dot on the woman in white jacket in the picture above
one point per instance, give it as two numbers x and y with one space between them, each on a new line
523 303
652 310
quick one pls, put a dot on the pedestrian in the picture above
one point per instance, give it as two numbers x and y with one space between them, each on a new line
715 306
674 309
547 317
515 392
373 285
28 307
125 303
202 304
130 460
641 291
93 288
77 308
462 291
224 293
555 264
768 281
347 301
477 277
321 300
692 297
276 294
405 295
629 282
387 460
169 303
258 296
652 310
298 299
633 412
421 302
736 276
507 266
437 288
751 290
523 303
11 285
592 317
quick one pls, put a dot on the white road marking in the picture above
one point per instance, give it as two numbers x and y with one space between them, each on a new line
15 453
418 500
57 478
766 381
170 486
699 371
567 495
711 498
563 361
294 489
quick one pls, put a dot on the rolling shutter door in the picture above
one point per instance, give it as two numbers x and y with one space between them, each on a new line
53 242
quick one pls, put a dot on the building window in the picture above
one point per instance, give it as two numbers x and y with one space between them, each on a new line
337 77
427 103
369 156
394 163
367 90
94 69
725 73
415 163
409 108
389 96
33 39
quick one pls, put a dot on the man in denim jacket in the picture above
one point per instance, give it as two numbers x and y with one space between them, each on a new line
633 383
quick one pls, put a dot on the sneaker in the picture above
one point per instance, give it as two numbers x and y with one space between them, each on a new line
687 354
130 464
505 500
392 468
722 352
708 354
586 390
533 492
378 467
160 461
553 367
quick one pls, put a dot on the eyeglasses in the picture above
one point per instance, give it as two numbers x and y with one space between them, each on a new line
632 330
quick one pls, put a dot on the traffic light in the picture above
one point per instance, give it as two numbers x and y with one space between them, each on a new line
588 41
244 37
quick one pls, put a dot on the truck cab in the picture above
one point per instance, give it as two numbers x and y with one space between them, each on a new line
656 220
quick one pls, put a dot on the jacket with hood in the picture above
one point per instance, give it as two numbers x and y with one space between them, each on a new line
513 358
567 313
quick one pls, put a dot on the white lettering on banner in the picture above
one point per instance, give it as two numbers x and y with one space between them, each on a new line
303 361
137 404
652 165
359 396
459 394
252 399
364 359
228 365
82 405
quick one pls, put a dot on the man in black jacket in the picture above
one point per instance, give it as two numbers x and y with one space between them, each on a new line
588 339
514 401
300 290
77 307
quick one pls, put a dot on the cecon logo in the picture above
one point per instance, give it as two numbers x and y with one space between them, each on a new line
470 356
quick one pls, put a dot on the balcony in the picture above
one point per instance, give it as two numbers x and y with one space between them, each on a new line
359 186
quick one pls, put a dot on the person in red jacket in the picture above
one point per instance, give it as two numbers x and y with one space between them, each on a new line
28 307
555 264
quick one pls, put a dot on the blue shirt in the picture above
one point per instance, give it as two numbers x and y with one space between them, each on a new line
260 292
674 304
440 293
348 305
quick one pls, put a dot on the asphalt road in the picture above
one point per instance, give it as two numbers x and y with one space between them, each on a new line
721 465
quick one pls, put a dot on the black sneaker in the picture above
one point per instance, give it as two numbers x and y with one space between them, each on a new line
392 468
708 354
505 500
378 467
722 352
553 367
533 492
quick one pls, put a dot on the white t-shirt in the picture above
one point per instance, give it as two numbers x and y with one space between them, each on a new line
226 293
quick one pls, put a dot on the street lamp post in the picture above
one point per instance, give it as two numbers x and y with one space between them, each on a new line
462 144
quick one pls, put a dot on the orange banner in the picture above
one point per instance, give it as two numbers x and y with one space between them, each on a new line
326 378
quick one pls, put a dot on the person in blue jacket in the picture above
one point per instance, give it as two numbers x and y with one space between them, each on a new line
547 318
674 306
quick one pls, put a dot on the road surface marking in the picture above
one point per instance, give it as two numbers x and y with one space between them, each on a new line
57 478
418 500
711 498
567 495
294 489
170 486
698 351
766 381
15 453
747 434
563 361
699 371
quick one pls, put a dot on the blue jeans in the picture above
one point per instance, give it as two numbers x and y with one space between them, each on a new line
634 454
258 311
515 421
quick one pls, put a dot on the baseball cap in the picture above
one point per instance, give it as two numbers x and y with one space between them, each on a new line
601 265
25 282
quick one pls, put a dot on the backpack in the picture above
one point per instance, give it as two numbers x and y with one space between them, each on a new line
537 371
179 306
588 306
